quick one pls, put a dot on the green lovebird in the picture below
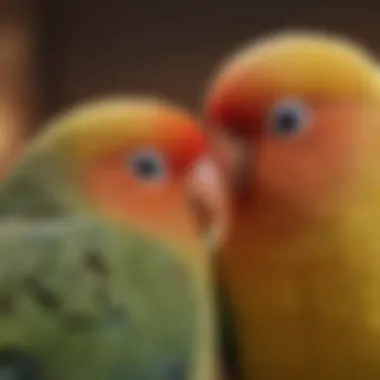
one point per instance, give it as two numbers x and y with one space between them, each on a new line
103 268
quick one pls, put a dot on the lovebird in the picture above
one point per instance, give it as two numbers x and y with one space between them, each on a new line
295 117
103 269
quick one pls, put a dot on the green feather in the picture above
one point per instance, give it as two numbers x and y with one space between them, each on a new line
82 298
87 300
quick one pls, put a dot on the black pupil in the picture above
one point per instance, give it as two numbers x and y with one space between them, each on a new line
145 166
287 121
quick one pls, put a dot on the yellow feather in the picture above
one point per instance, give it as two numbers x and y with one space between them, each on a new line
305 63
104 125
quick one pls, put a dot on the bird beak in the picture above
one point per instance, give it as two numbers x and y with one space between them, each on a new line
236 157
208 200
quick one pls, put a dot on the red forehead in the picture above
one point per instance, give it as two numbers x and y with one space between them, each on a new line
182 139
236 107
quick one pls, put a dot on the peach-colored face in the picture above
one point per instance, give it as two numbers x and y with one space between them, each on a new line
146 181
299 150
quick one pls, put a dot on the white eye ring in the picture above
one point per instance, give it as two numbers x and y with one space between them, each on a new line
288 118
147 164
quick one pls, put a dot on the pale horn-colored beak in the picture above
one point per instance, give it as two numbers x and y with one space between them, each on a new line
235 156
209 200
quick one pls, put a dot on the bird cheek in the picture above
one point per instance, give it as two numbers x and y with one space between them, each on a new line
275 175
300 175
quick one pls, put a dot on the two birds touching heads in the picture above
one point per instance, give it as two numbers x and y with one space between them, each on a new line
135 236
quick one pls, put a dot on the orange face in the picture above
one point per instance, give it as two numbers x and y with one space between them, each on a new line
150 180
302 141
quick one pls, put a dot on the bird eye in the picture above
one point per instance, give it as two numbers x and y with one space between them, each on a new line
288 118
147 165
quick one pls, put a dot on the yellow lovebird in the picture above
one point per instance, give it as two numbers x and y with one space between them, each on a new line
103 270
296 117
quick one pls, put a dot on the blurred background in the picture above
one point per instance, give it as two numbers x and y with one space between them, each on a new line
54 53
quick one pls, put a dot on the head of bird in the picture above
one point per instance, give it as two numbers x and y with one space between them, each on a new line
294 117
